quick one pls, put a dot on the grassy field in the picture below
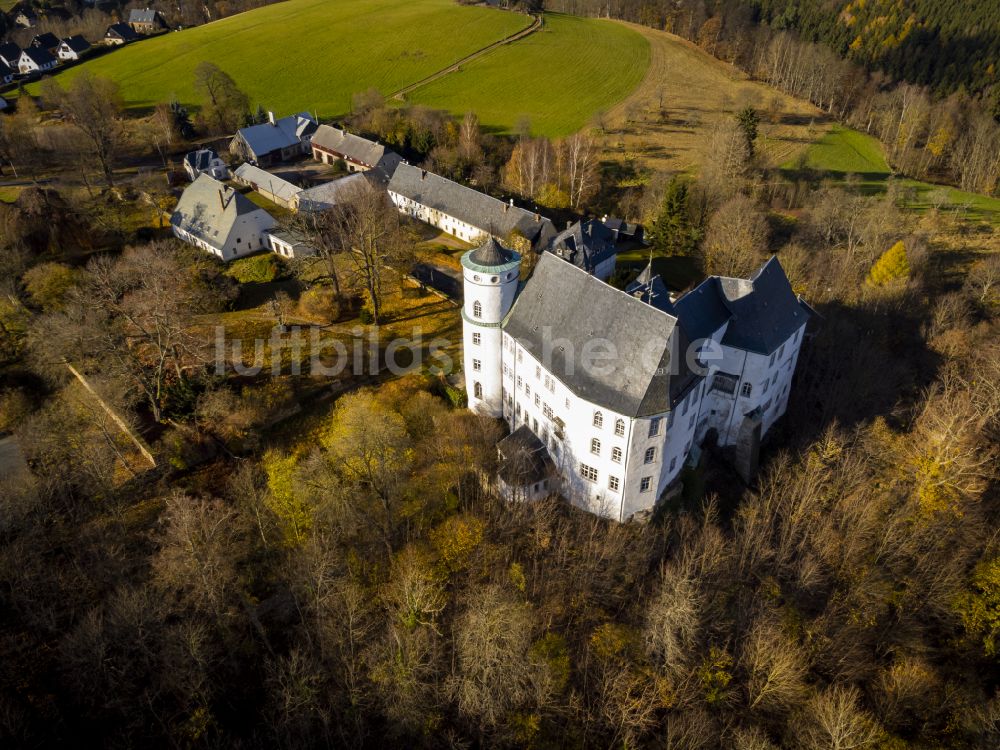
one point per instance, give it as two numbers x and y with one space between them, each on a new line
666 123
308 54
557 78
845 155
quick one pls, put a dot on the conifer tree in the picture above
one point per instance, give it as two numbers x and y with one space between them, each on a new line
673 233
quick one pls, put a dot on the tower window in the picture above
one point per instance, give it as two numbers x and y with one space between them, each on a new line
595 447
650 456
654 427
476 338
477 309
598 419
477 365
477 390
619 427
645 483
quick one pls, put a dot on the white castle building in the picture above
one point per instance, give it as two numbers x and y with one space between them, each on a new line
607 392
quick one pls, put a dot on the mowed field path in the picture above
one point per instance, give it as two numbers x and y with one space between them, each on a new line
308 55
698 91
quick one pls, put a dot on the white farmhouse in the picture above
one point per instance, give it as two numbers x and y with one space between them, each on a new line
72 48
461 211
276 189
619 387
35 60
218 219
330 144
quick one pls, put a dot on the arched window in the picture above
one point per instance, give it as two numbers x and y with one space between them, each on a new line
477 309
477 389
619 427
598 419
595 447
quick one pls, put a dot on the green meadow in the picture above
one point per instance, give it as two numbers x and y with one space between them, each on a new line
312 55
844 153
307 55
558 77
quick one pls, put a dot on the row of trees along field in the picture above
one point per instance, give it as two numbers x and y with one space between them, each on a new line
939 125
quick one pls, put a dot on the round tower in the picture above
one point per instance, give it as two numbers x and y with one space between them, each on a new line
490 285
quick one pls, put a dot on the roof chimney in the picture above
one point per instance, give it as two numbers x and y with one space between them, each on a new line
270 117
538 218
423 173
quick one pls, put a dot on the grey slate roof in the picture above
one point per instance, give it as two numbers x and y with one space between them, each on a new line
200 160
142 15
48 41
762 311
524 459
10 53
122 31
649 288
76 43
564 308
208 209
329 194
356 148
471 206
39 55
287 131
260 178
585 244
491 253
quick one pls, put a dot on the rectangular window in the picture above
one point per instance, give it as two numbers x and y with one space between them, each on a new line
520 355
506 371
650 456
771 362
477 365
527 389
538 401
781 351
691 421
588 472
747 389
613 484
673 463
476 338
538 372
654 427
519 381
767 384
547 411
616 454
645 483
774 379
567 403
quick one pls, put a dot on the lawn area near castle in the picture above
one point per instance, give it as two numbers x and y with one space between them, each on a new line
307 54
557 78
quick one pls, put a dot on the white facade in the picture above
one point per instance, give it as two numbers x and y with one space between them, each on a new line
446 223
613 464
27 65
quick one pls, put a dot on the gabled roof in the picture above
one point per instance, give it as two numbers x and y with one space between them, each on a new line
649 288
122 31
278 187
48 40
143 15
524 459
356 148
39 56
329 194
201 159
563 314
208 210
585 244
76 43
10 53
762 311
267 137
482 211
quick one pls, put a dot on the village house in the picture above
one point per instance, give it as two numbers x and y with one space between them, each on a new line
328 194
146 21
205 161
715 365
35 60
47 41
272 187
119 34
72 48
274 141
10 55
331 144
218 219
588 245
463 212
289 244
